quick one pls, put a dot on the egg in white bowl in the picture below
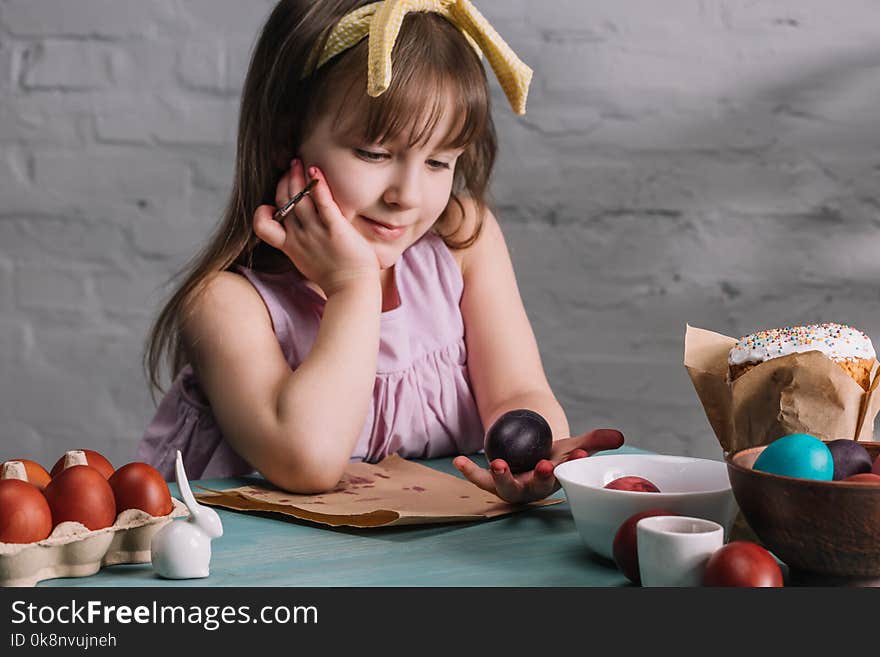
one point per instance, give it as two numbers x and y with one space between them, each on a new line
688 486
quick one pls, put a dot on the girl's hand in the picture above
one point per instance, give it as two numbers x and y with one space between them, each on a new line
540 482
318 239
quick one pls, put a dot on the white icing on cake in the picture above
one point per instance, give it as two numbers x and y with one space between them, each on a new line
837 341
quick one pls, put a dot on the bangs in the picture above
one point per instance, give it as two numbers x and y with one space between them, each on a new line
435 73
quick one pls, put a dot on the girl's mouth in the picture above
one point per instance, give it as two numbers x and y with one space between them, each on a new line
384 231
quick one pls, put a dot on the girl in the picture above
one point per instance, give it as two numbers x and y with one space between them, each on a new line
381 314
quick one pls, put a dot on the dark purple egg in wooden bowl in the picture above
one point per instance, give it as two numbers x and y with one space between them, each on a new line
826 532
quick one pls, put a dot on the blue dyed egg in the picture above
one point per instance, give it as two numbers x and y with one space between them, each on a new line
797 455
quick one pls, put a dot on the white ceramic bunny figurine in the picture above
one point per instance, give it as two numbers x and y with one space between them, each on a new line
182 549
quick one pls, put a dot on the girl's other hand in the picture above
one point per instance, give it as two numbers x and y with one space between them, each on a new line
538 483
318 239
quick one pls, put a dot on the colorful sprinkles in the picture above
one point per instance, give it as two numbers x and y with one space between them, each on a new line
837 341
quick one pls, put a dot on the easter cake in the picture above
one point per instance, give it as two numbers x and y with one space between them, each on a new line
850 348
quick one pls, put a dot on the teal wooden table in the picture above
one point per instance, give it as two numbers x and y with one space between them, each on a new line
535 547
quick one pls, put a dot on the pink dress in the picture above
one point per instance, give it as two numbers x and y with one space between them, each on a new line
422 405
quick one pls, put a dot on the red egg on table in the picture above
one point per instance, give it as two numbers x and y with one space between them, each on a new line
25 516
742 563
632 483
81 494
625 545
140 486
93 459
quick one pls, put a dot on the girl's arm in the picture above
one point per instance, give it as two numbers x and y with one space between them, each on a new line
505 368
504 363
298 428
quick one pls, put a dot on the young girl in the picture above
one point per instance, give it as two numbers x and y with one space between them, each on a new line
381 314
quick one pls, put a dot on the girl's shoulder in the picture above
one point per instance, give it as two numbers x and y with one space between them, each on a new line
225 299
461 222
222 288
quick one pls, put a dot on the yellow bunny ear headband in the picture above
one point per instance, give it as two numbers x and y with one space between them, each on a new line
381 21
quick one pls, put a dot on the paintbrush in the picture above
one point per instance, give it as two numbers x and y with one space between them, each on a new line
288 207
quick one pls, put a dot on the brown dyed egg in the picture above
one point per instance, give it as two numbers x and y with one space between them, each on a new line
80 493
140 486
25 516
742 563
36 473
864 478
93 458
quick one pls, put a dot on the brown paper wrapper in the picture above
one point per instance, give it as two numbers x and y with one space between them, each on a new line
799 393
392 492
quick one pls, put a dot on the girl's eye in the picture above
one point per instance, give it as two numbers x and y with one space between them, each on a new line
373 156
370 155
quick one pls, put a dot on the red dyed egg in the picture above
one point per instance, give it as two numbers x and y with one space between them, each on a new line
742 563
80 493
625 546
93 458
865 478
24 513
140 486
637 484
36 473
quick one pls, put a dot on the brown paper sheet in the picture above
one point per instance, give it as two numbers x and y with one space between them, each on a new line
392 492
799 393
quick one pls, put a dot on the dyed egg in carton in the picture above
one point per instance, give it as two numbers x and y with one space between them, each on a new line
73 550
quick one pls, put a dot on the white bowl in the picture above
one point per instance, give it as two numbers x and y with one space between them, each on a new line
689 486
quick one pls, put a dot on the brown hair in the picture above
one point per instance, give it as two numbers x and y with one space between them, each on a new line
281 95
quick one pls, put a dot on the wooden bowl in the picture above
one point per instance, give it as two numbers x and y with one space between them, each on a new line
823 530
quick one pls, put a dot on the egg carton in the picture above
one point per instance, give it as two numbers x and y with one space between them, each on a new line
73 550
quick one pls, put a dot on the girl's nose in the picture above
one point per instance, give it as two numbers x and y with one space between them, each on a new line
404 190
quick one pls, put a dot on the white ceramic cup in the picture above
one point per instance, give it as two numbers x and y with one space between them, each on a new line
673 550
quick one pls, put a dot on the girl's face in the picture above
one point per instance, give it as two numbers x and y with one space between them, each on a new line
391 192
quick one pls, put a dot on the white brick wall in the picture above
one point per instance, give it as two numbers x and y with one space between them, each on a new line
711 162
